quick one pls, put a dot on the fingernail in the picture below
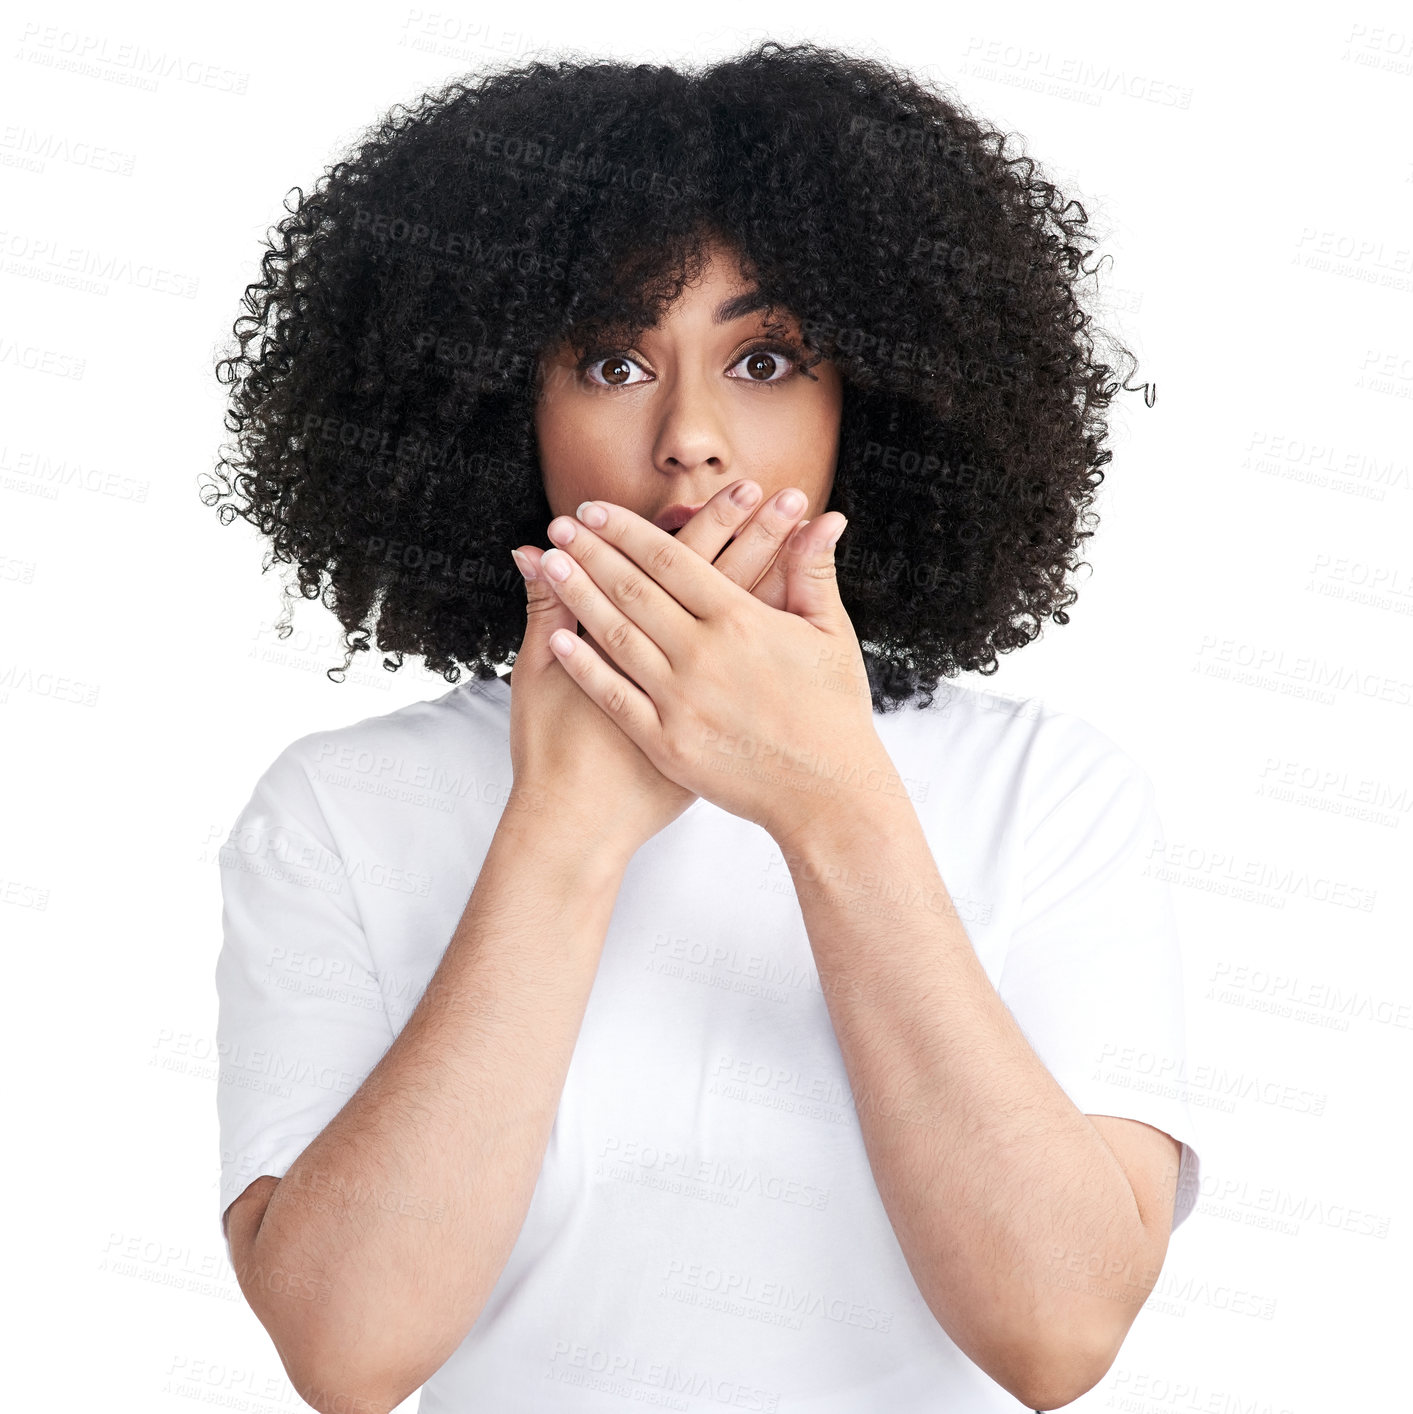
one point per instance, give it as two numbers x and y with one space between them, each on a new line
746 494
837 534
791 502
557 564
523 565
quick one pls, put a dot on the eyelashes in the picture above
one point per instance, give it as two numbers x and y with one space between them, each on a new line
784 348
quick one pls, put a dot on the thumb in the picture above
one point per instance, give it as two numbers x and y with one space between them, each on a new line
545 611
811 581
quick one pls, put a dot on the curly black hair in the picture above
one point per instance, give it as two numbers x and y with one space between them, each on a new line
384 419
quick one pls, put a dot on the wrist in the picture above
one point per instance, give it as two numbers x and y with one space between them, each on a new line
867 801
543 821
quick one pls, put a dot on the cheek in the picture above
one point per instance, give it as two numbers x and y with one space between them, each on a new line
568 460
578 465
801 448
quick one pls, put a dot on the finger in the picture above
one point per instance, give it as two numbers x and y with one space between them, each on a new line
587 565
630 708
755 536
587 638
812 574
773 586
753 554
722 517
547 611
640 582
544 610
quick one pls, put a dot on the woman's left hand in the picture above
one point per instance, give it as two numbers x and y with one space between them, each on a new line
764 712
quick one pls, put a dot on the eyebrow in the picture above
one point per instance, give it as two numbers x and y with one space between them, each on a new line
739 306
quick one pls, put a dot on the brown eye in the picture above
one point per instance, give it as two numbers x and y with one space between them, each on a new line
621 369
766 365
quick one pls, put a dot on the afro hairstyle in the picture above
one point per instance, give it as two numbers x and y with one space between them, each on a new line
384 376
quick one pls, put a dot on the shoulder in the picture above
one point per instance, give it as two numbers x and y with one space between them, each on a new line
1044 742
1083 793
409 743
1070 756
1033 758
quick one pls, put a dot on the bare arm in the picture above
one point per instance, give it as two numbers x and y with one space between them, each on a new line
998 1186
377 1250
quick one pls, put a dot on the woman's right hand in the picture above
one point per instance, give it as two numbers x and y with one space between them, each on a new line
566 755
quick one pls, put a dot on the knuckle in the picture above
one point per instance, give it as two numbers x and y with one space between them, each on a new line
671 746
662 559
618 635
726 513
680 729
628 590
616 701
738 633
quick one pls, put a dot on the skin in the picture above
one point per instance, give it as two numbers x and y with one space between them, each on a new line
697 413
692 411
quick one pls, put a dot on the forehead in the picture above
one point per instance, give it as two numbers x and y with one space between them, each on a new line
710 314
722 298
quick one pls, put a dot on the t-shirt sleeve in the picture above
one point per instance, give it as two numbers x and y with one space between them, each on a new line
1093 970
300 1014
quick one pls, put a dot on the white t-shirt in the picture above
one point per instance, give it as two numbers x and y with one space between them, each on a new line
705 1232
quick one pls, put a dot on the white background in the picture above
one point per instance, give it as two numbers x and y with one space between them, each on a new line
1245 634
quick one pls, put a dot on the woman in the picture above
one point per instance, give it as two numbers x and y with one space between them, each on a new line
678 1018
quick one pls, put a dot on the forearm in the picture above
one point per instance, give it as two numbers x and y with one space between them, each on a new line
993 1179
402 1213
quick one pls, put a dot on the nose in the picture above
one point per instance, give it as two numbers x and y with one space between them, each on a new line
692 432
